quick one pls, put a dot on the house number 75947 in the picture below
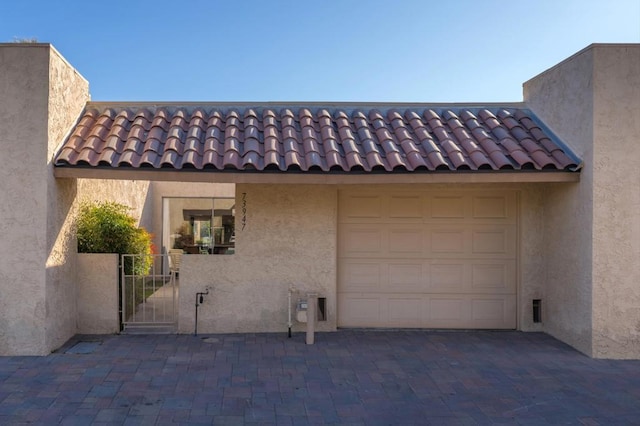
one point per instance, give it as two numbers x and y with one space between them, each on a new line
244 210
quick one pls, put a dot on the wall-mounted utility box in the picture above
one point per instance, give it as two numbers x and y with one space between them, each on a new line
301 310
321 310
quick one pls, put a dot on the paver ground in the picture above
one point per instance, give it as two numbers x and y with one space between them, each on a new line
347 377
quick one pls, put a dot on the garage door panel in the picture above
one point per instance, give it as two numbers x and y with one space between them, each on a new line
495 313
365 241
404 312
493 277
447 277
472 311
494 240
360 311
406 240
406 207
494 207
376 241
406 278
448 241
361 276
363 206
393 208
451 311
435 276
448 207
487 309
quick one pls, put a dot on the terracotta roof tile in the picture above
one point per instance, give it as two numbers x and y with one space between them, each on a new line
108 156
191 159
330 139
149 158
211 158
88 156
153 145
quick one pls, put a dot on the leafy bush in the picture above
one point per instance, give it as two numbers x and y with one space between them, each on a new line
108 227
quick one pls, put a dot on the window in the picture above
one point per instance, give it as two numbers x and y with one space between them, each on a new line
199 225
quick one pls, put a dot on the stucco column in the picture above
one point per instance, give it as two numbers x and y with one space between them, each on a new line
592 228
41 96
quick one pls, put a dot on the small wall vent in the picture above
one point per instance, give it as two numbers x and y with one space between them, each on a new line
537 310
322 308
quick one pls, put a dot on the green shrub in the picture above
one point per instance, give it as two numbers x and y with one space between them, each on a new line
108 227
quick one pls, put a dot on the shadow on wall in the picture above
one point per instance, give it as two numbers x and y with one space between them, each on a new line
61 219
146 217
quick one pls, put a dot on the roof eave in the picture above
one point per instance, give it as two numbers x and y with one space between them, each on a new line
184 175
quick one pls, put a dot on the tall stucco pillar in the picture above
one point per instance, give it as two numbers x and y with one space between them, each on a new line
592 228
41 96
616 202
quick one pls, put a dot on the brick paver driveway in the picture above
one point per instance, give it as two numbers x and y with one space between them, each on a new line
348 377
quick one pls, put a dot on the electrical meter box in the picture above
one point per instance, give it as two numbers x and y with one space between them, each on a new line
301 310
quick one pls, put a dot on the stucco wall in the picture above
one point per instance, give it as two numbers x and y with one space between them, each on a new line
616 206
97 285
592 229
561 97
289 239
97 294
68 93
39 97
136 194
531 255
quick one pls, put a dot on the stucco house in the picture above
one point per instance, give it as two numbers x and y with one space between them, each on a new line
518 216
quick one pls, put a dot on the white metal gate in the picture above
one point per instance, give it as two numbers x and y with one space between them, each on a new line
149 294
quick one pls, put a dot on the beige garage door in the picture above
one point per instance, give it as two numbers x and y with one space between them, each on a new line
428 260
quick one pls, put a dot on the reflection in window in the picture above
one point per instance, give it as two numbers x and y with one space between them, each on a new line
199 225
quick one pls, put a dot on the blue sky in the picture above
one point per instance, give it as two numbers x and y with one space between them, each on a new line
411 50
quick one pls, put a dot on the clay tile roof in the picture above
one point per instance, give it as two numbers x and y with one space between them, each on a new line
331 139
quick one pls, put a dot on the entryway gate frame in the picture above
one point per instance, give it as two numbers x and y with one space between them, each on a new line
148 301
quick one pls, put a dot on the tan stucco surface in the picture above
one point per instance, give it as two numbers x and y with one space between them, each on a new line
136 194
616 215
592 228
68 93
561 98
23 112
40 97
531 254
288 239
97 294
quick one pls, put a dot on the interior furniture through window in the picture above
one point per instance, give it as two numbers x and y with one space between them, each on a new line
198 225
